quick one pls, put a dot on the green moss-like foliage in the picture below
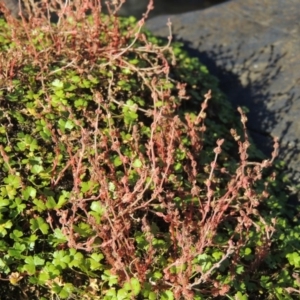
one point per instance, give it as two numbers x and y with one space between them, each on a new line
115 186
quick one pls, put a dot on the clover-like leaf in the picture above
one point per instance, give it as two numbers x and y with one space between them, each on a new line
57 84
109 277
167 295
4 226
14 181
133 286
294 259
61 258
137 163
31 263
29 192
38 223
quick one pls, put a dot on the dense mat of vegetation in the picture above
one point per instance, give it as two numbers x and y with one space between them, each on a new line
126 174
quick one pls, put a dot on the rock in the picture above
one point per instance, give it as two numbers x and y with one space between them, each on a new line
14 7
253 47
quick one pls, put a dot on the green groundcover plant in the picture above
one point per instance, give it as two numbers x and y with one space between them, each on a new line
126 174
